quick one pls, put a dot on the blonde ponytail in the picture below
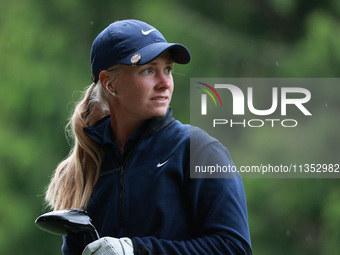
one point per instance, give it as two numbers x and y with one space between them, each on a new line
74 179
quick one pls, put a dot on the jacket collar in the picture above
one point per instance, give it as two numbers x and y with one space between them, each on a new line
101 131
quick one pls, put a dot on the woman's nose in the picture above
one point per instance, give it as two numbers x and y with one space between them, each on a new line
164 80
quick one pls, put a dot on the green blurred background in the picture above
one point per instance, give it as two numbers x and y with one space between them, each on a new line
45 50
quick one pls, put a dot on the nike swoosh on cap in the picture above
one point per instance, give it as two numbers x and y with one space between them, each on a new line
148 31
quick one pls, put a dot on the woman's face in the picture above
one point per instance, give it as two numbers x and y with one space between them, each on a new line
145 91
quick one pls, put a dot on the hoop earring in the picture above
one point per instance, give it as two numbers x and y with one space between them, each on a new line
112 93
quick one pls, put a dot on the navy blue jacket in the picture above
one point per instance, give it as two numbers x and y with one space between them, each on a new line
147 193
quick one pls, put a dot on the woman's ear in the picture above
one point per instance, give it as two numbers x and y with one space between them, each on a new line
106 81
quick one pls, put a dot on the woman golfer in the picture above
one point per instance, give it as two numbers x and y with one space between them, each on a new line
130 164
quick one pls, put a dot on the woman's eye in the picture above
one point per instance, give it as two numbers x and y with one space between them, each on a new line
168 70
147 71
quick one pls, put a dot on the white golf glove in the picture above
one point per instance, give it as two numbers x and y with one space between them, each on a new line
109 246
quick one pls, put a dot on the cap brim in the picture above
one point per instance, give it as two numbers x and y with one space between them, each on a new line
179 53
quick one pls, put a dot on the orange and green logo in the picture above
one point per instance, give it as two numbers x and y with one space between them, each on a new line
204 97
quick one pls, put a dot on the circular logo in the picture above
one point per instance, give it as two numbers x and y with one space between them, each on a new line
135 58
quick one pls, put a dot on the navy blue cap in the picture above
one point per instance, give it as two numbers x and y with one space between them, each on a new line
132 42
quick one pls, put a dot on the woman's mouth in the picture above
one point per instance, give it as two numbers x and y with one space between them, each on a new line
159 99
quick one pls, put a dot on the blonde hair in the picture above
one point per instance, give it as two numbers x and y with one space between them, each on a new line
75 177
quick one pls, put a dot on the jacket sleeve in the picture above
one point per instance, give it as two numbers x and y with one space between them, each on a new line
71 245
74 244
217 206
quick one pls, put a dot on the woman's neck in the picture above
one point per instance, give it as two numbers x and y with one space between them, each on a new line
122 131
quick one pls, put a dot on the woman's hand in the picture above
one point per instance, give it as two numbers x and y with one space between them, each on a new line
109 246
